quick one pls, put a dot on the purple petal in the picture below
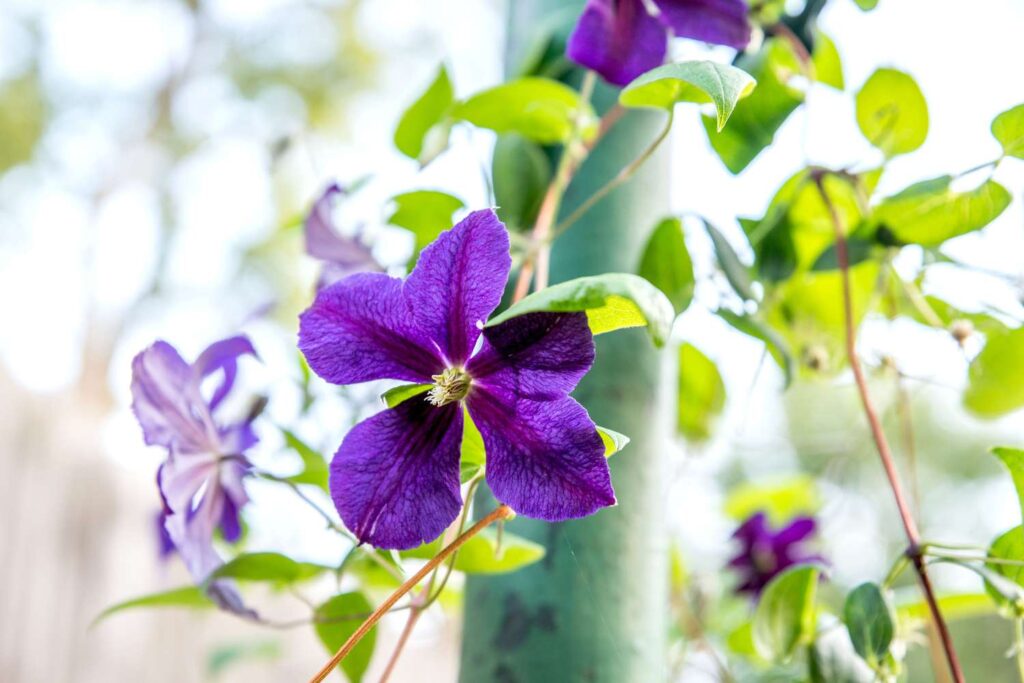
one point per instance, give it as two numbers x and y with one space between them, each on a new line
457 282
194 542
237 439
540 356
343 254
165 546
223 355
167 402
796 531
754 529
360 329
722 22
618 40
395 479
544 458
182 476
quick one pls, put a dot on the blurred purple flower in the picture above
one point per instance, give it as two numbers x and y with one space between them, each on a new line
341 254
620 39
395 478
201 480
765 552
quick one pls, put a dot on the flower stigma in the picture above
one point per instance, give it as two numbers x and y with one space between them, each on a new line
450 386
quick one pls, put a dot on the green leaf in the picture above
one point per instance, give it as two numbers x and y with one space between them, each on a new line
701 393
1008 546
735 272
392 397
422 132
930 212
540 109
776 345
473 454
781 499
753 125
866 5
1008 129
892 113
612 301
337 619
186 596
797 226
1007 594
828 68
697 81
807 312
481 554
613 441
994 385
785 616
521 172
271 567
666 263
22 119
424 213
857 251
314 467
870 620
1013 459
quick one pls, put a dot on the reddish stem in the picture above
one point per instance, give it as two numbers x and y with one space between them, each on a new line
500 512
881 442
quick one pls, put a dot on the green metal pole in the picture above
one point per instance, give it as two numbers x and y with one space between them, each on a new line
595 609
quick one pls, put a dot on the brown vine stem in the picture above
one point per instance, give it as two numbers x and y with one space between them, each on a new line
500 512
881 442
426 597
572 156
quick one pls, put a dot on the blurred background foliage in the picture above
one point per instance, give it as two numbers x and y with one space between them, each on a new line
157 159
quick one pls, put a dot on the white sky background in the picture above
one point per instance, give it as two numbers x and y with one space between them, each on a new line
61 258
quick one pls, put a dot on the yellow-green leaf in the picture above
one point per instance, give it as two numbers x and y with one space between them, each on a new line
697 81
892 112
1008 129
541 109
701 393
612 301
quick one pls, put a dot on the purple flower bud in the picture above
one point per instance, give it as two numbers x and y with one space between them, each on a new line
341 254
766 552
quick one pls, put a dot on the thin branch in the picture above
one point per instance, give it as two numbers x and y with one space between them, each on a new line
881 442
425 599
331 524
620 178
500 512
572 156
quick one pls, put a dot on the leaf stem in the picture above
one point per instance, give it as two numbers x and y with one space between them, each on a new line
621 177
331 524
500 512
881 442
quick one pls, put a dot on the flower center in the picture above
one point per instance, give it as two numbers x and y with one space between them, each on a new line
450 386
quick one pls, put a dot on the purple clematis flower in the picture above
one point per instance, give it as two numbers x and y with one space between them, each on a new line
620 39
764 552
201 480
341 254
395 478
